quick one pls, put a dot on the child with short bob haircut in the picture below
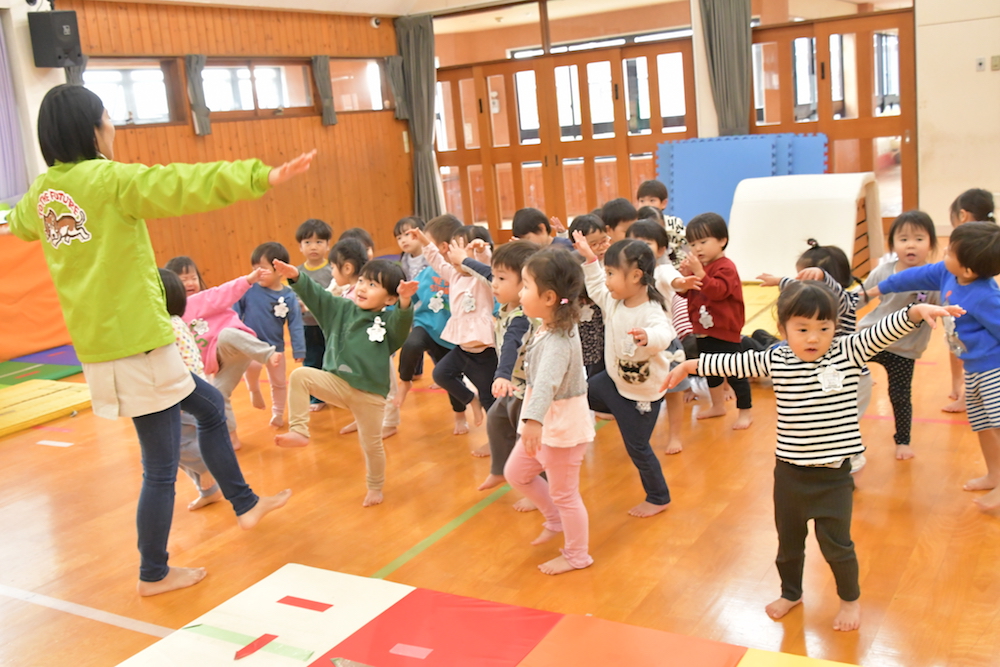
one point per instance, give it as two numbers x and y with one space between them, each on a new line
555 424
965 277
530 224
361 336
815 383
411 257
618 215
639 348
347 258
716 308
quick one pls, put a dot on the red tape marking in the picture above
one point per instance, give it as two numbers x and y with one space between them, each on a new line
255 646
305 604
18 377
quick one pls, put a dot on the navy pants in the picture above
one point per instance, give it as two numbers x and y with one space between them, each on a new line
478 367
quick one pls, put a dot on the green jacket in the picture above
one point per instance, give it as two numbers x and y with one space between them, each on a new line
90 216
358 342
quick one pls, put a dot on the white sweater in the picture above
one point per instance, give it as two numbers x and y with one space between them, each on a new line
638 372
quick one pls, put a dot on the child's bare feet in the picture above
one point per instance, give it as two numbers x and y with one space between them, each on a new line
257 399
849 616
990 501
277 421
482 451
605 416
461 425
316 407
543 537
264 506
904 453
727 392
690 396
743 421
204 501
389 431
350 428
646 509
558 565
491 481
402 389
524 505
958 405
477 411
780 607
980 484
235 440
674 446
291 439
373 498
434 386
178 577
711 411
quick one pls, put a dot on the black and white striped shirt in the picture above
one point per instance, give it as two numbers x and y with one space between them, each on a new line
815 427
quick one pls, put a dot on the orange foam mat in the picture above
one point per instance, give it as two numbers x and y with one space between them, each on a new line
757 658
585 641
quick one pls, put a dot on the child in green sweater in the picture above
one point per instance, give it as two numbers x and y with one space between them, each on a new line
360 337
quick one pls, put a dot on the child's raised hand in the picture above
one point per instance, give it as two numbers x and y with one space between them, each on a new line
678 373
531 436
502 387
694 266
291 169
253 276
418 235
685 283
639 336
812 273
476 248
557 225
769 280
582 247
929 313
285 270
406 290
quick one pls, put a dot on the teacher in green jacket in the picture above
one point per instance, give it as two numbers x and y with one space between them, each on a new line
89 211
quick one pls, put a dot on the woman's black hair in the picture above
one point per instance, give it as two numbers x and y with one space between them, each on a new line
650 230
385 273
916 219
67 119
349 251
409 222
977 202
630 254
807 298
174 293
586 224
650 213
182 264
706 225
557 270
474 233
831 259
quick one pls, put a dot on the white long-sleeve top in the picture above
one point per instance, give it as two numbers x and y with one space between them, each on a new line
638 372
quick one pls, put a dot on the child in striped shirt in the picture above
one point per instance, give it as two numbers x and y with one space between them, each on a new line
816 386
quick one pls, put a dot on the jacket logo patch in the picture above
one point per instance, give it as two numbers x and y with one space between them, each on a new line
64 221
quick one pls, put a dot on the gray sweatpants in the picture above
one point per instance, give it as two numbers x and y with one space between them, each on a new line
235 350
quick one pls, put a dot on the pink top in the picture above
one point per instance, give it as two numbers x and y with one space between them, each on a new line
210 311
568 421
471 323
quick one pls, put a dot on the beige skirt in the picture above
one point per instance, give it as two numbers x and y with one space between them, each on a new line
142 384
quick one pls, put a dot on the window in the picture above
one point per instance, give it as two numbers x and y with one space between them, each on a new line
886 73
258 88
359 84
135 92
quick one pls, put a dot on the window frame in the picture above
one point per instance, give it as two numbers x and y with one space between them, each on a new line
257 113
384 78
174 81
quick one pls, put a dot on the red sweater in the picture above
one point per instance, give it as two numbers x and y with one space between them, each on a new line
716 309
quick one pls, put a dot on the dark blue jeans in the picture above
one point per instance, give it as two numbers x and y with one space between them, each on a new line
636 428
159 439
479 368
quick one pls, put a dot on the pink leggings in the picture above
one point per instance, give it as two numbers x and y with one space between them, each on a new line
278 380
559 499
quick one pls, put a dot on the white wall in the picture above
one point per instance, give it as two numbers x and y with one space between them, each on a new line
958 108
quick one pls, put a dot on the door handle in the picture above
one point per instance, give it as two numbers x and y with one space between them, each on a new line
616 92
557 160
480 105
822 71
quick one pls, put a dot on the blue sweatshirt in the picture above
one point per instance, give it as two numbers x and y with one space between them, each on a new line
979 329
431 309
266 311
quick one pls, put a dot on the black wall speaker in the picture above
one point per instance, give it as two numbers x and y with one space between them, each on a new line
55 39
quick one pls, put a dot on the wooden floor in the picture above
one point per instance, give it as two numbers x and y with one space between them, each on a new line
929 560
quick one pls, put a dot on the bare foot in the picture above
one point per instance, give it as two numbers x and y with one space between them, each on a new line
980 484
780 607
690 396
477 411
316 407
350 428
401 391
727 392
277 421
849 616
274 359
291 439
958 405
235 440
482 451
955 394
558 565
491 481
713 411
372 498
524 505
204 501
990 501
904 453
257 399
265 505
178 577
605 416
434 386
646 509
461 425
674 446
743 421
389 431
543 537
418 376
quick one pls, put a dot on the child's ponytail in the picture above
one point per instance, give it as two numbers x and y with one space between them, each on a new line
831 259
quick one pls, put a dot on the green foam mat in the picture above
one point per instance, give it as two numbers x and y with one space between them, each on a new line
16 372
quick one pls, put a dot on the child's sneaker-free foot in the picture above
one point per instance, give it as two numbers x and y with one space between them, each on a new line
711 411
350 428
277 421
389 431
177 578
605 416
849 616
491 481
780 607
235 440
743 421
956 406
990 501
646 509
461 424
524 505
980 484
265 505
205 501
373 498
558 565
727 392
401 391
543 537
291 439
674 446
257 399
316 407
904 453
482 451
477 411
